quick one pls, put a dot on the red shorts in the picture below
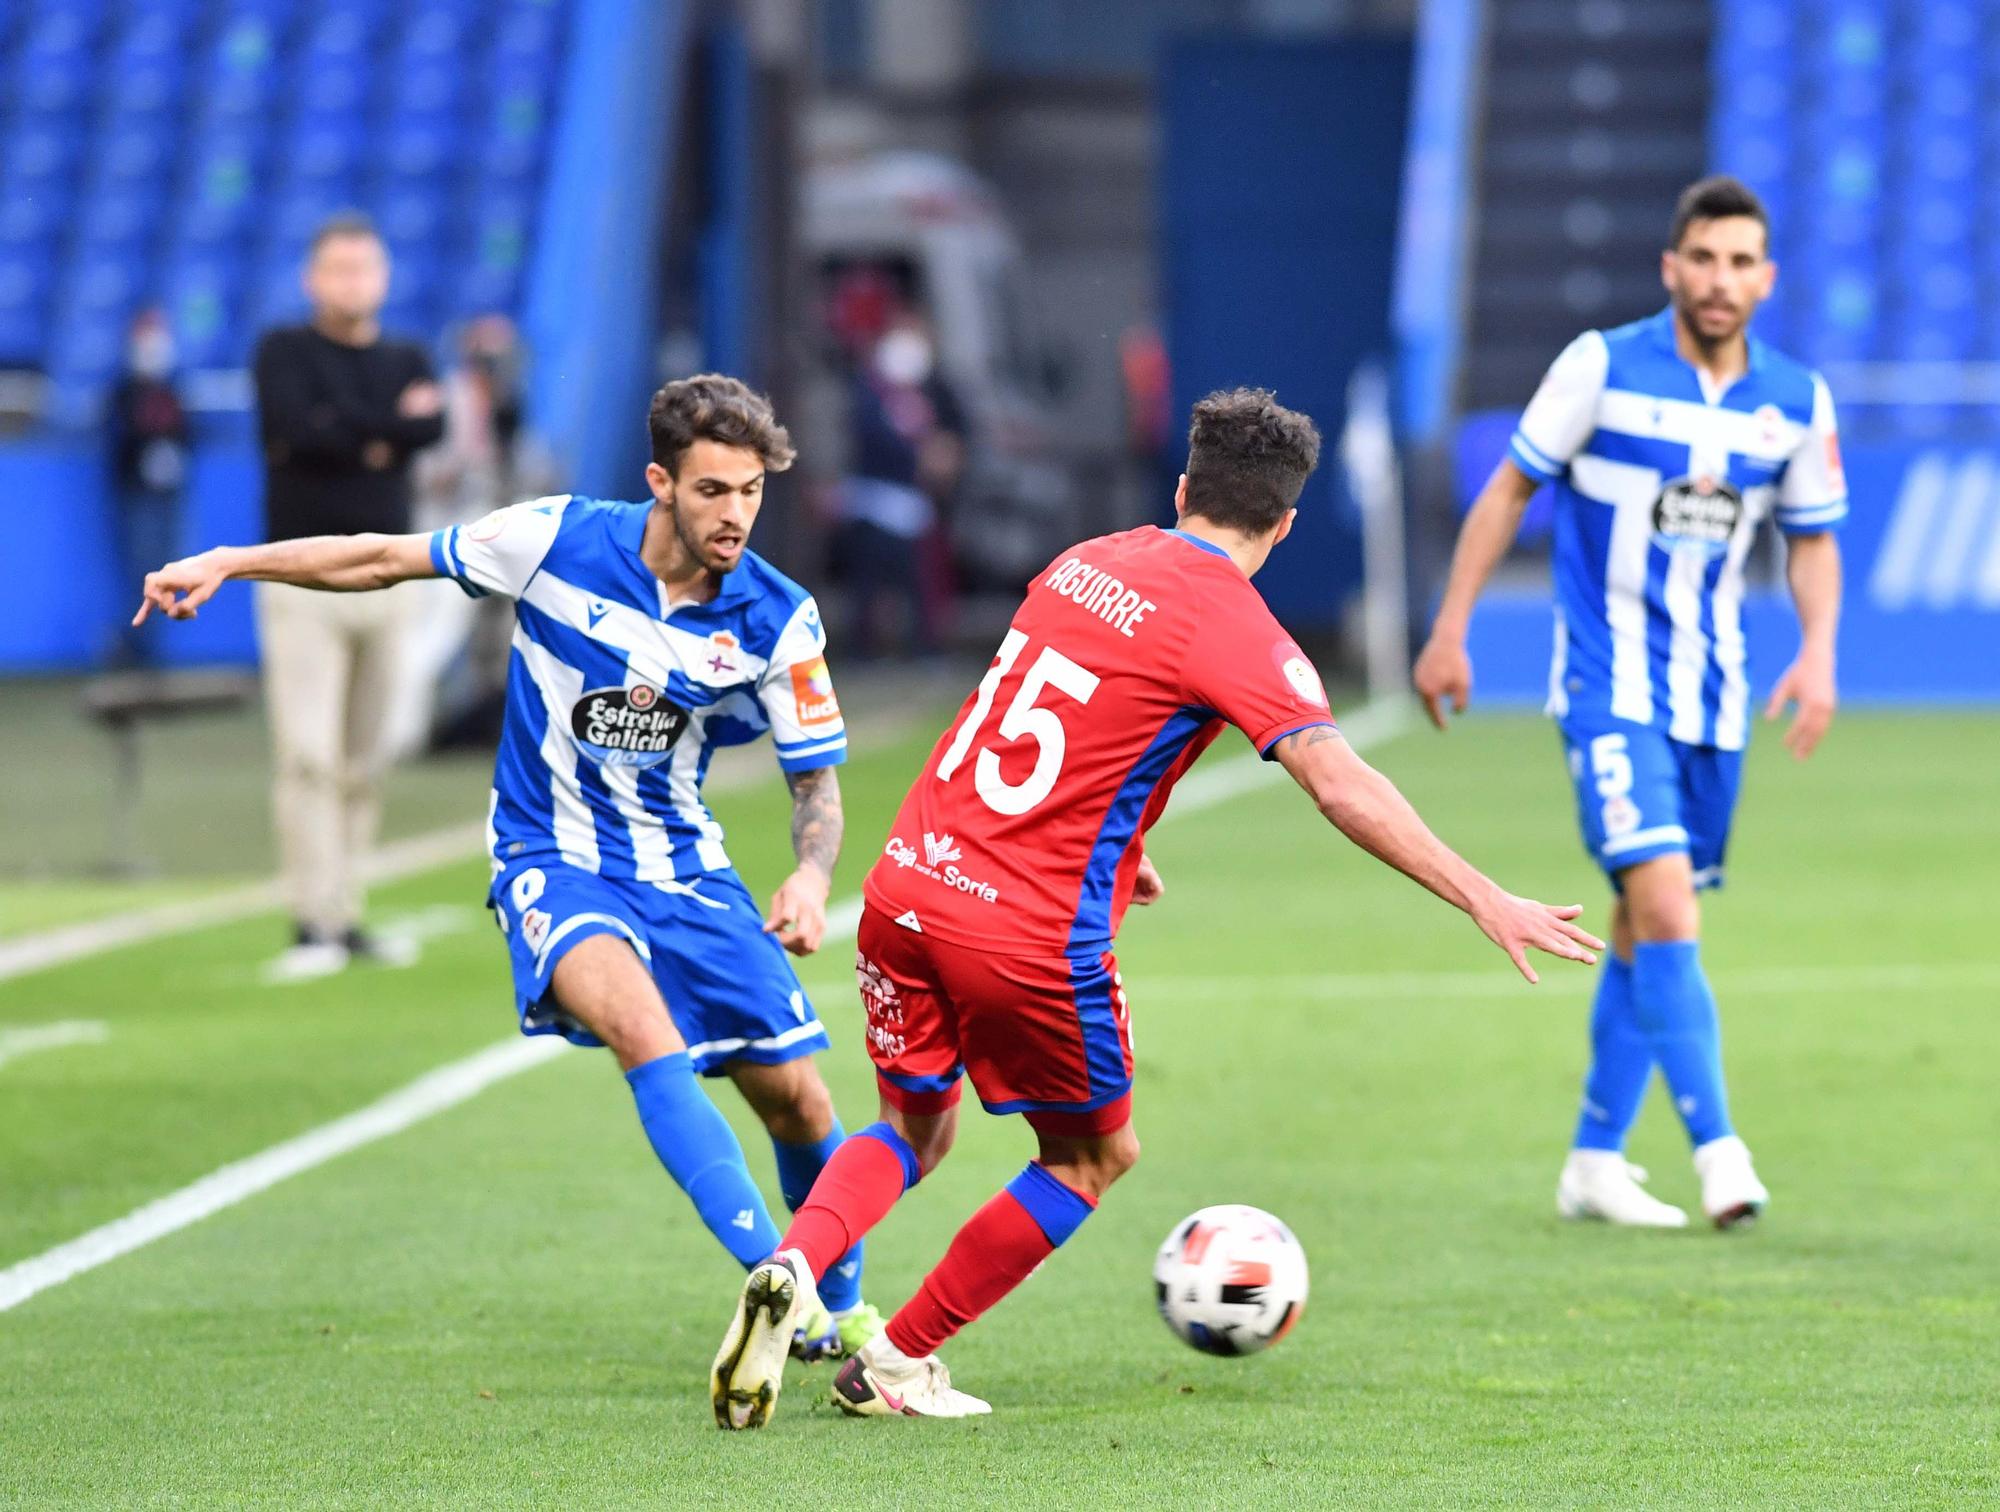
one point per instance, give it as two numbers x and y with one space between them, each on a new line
1047 1036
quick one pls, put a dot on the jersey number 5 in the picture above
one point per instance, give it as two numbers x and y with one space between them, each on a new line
1023 718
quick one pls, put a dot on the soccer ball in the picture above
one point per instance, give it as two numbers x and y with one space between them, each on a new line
1230 1280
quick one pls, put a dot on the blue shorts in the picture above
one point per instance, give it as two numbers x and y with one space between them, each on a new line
729 986
1641 794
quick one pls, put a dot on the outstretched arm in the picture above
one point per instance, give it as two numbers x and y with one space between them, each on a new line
798 908
1364 806
1443 670
1812 566
339 564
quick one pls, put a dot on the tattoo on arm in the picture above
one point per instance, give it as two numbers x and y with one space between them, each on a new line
1319 735
816 818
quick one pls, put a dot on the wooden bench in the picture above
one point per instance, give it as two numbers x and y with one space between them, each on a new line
123 702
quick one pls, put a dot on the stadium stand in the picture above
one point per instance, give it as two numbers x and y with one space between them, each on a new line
253 120
1860 123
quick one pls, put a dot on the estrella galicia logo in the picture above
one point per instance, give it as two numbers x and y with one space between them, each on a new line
1701 511
635 726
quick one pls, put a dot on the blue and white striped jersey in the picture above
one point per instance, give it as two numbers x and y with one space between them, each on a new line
1661 484
616 698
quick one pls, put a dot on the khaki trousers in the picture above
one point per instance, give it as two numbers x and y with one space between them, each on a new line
330 665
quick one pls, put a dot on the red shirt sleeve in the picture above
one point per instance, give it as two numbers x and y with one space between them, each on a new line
1244 666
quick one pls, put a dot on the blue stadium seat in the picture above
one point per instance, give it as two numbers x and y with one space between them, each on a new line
420 147
337 91
185 150
32 217
134 152
42 151
120 217
323 151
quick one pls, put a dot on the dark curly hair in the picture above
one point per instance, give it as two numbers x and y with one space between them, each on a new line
1248 458
711 407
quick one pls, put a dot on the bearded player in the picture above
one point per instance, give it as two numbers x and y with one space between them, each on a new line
646 635
1669 442
984 949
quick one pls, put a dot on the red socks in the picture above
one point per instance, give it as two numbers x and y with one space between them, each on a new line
854 1192
1000 1244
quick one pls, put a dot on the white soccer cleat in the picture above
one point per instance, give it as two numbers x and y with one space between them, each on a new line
1731 1194
1604 1184
750 1367
882 1381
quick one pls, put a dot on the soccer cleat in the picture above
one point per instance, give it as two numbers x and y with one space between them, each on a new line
1603 1184
817 1336
859 1327
750 1366
870 1386
1731 1194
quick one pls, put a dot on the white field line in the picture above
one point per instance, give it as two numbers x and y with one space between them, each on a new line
28 1038
461 1080
57 947
443 1088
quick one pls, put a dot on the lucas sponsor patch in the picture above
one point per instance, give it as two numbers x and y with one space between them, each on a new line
812 691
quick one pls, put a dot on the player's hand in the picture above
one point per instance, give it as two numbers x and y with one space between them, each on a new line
1443 671
1148 886
420 400
1808 682
798 911
180 588
1518 925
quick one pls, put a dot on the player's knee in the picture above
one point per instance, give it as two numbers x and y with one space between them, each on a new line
932 1140
1659 901
1092 1165
1666 915
807 1115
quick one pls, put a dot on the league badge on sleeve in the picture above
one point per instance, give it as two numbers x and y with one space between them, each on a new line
1300 674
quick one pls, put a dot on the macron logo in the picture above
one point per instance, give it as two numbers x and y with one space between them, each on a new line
849 1269
598 609
908 920
745 1220
1942 548
939 849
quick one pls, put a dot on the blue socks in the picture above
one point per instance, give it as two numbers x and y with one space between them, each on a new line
1621 1062
699 1150
1673 1005
798 1168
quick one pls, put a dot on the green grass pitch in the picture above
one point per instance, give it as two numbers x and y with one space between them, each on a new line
510 1305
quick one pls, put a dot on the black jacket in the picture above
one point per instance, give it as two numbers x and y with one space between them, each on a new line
321 406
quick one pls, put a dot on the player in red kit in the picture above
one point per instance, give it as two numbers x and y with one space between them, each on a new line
984 951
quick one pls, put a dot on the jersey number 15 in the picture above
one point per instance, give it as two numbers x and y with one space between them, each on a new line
1023 718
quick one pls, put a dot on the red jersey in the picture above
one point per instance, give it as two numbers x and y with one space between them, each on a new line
1129 654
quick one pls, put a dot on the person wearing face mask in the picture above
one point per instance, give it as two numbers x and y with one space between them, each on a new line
342 411
907 453
149 463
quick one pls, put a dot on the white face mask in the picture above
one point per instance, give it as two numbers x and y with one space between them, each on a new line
903 357
152 354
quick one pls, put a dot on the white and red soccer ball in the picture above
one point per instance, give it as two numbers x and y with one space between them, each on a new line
1230 1280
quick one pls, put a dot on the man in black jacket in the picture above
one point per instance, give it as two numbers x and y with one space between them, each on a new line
342 410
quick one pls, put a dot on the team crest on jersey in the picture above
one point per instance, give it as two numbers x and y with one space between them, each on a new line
720 660
627 727
812 691
1700 511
